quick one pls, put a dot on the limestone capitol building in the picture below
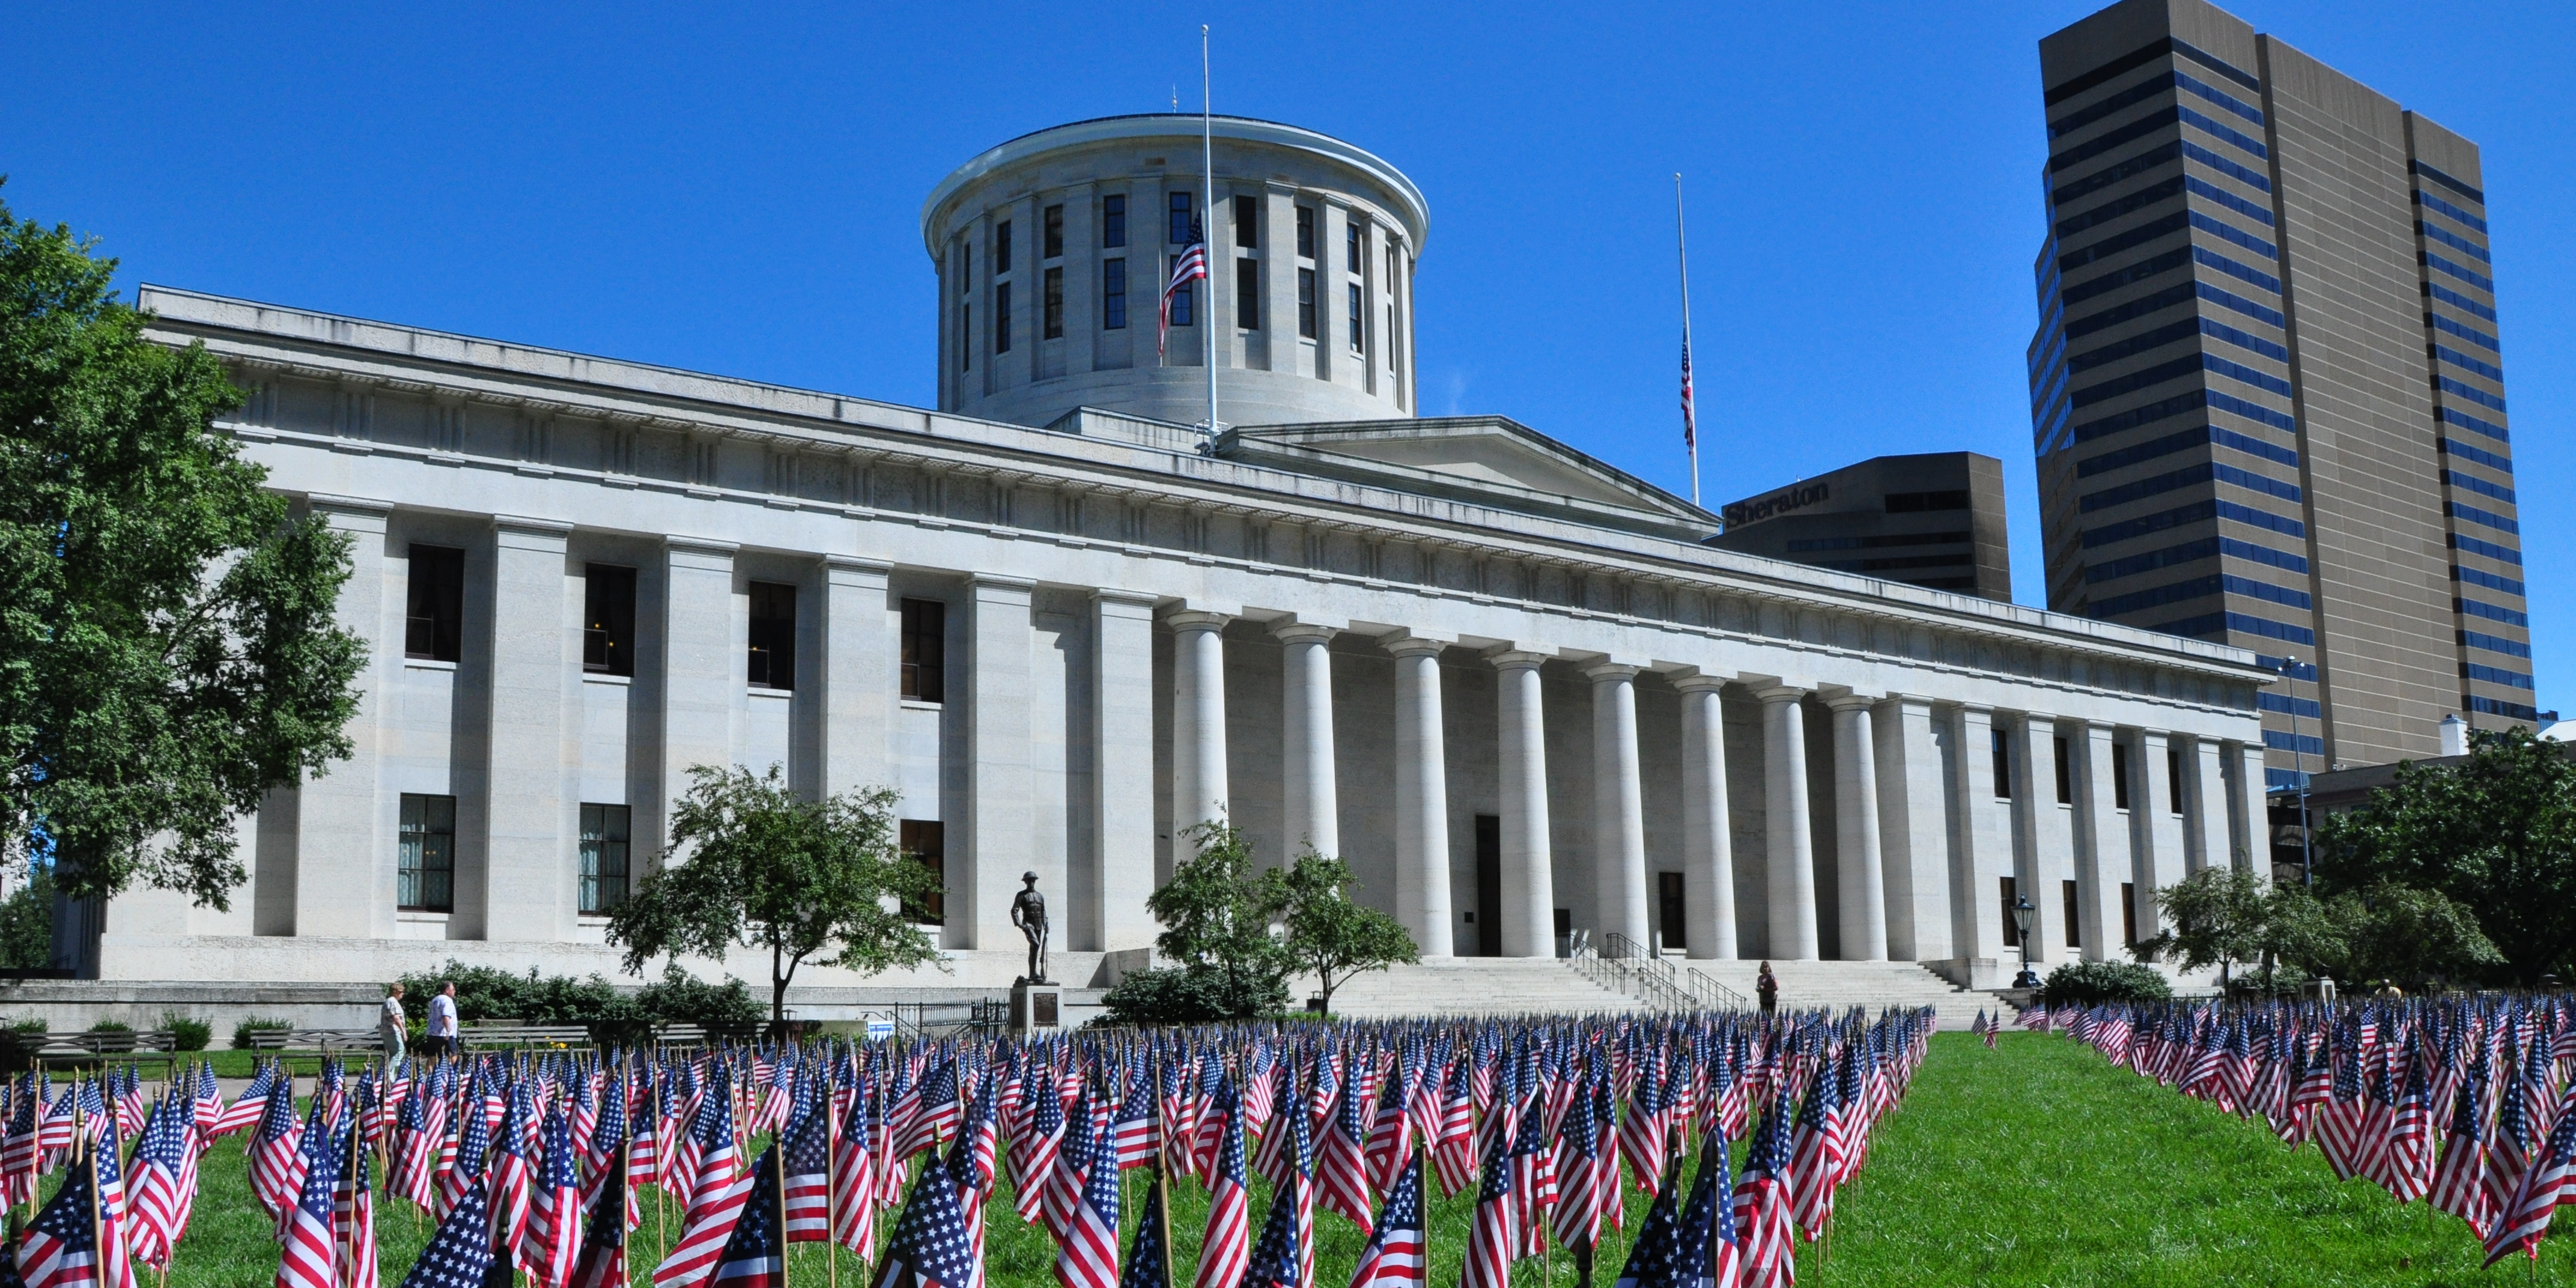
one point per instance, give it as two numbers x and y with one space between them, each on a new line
1508 682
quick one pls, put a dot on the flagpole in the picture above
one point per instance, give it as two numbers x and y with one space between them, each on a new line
1207 238
1681 245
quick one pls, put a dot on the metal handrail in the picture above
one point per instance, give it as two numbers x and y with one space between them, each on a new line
1704 994
1712 990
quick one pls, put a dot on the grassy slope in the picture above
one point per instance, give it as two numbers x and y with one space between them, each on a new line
2033 1164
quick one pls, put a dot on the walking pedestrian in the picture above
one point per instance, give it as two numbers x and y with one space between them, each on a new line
391 1023
441 1038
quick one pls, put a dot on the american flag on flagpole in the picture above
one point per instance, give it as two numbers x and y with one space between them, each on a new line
1227 1247
1190 266
1395 1256
930 1248
1690 416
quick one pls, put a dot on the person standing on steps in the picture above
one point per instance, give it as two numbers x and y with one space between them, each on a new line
1766 986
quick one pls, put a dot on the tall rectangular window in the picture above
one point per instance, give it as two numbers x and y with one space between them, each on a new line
2173 780
1351 247
1247 294
1306 302
1183 296
425 863
2065 778
2003 765
1002 318
608 619
435 626
1001 248
772 662
924 841
1113 294
2012 897
1051 232
1054 300
2129 913
1359 342
925 650
965 337
603 857
2119 775
1113 221
1247 222
2074 924
1392 348
1305 232
1180 208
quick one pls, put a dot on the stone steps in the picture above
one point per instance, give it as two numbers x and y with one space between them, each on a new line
1460 986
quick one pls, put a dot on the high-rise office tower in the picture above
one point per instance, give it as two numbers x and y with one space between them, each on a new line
2266 387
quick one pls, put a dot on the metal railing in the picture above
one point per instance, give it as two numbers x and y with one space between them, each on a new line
1613 969
1696 990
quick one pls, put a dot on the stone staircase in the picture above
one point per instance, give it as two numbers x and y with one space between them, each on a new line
1464 986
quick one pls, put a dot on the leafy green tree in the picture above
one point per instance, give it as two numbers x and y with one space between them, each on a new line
2412 936
754 864
1330 934
1216 913
2218 920
2494 834
167 646
27 922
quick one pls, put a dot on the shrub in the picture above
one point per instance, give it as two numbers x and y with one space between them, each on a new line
2285 980
484 993
682 998
242 1032
32 1024
2086 983
187 1034
111 1026
1191 995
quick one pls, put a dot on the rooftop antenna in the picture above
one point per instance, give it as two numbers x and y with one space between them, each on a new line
1207 176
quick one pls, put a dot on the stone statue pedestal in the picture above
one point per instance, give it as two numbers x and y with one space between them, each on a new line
1037 1008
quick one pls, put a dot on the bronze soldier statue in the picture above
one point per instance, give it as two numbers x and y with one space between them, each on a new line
1028 912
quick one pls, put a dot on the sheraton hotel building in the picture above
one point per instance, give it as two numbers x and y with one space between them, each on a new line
2266 389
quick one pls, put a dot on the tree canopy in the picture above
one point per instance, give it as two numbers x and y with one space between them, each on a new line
167 646
1216 913
2494 835
753 864
1330 934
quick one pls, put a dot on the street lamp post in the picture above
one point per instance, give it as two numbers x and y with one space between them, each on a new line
2299 766
2021 914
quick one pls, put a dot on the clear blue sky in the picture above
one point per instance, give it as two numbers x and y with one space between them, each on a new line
740 193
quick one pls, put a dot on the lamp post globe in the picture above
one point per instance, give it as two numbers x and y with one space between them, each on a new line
2021 915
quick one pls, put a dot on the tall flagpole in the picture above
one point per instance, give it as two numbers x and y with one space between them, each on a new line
1690 413
1207 234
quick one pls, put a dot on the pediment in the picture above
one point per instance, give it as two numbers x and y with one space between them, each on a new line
1489 458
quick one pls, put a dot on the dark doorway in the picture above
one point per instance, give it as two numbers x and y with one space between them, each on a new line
1675 920
1489 885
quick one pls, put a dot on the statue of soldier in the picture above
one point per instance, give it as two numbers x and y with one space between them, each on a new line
1028 912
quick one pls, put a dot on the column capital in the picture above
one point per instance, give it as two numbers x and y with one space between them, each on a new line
1408 644
1196 619
1507 658
1907 700
865 567
1778 694
1976 709
351 513
1604 672
1694 680
1849 700
1125 604
1292 631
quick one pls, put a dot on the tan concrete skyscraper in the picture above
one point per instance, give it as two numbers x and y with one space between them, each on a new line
2266 389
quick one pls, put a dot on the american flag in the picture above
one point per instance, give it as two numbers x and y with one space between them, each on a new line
1134 1124
1226 1249
1395 1256
929 1248
755 1256
2459 1187
1455 1155
1341 1173
156 1201
1033 1161
410 1172
1708 1220
2509 1150
602 1261
1491 1239
461 1252
1087 1246
1281 1256
250 1105
353 1210
309 1255
609 1145
1690 417
2523 1220
2406 1169
1149 1253
60 1249
514 1176
1762 1202
464 1164
716 1201
934 1112
808 1193
1641 1134
1192 264
554 1227
1582 1182
274 1159
1657 1259
854 1177
1391 1137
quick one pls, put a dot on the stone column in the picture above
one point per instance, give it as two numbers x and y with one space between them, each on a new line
1122 799
859 680
1421 797
702 674
1528 864
1708 842
1860 883
2204 805
1789 889
2247 804
2100 864
1911 819
1313 809
344 874
1618 805
2156 860
998 782
1198 724
2046 838
527 863
1979 857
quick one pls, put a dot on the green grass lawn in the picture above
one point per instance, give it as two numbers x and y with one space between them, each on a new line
2036 1163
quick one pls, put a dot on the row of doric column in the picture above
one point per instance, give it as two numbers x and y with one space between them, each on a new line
1920 849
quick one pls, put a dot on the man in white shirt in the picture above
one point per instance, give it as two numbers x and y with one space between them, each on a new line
391 1022
442 1021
